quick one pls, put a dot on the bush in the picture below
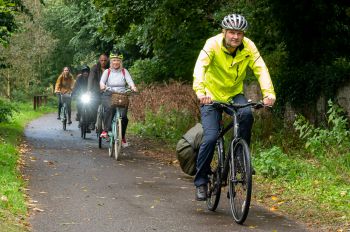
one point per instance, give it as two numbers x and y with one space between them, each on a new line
148 71
6 110
164 111
164 125
272 163
325 141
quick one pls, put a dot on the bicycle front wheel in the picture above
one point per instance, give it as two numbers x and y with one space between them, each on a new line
214 184
240 180
111 146
118 140
64 117
83 127
99 125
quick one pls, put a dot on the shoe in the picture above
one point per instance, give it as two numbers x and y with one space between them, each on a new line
104 135
201 193
92 126
253 172
58 118
124 143
69 122
77 118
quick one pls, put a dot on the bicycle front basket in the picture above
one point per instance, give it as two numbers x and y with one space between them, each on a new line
119 100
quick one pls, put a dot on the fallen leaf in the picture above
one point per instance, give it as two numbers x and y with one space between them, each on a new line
152 207
38 210
4 199
343 193
274 208
274 198
137 196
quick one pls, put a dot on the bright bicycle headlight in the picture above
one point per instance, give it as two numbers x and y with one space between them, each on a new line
85 98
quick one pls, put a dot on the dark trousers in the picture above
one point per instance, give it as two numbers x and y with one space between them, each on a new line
211 118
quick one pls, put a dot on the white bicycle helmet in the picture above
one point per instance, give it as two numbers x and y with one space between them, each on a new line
234 22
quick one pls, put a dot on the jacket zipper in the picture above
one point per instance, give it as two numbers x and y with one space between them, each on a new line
237 72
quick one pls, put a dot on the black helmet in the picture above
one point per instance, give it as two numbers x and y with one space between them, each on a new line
85 68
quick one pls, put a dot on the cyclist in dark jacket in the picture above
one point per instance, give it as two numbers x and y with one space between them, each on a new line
80 87
94 83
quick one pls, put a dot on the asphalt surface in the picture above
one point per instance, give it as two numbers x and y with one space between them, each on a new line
75 186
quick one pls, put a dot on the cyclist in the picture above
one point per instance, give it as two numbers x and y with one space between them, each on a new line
94 85
116 80
80 87
64 85
218 76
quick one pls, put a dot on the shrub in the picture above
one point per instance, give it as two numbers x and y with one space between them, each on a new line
272 163
164 111
321 141
6 110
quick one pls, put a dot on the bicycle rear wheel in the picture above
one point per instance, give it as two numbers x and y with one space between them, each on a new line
118 140
240 180
214 184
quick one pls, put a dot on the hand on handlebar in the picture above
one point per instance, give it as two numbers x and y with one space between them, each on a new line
203 99
269 101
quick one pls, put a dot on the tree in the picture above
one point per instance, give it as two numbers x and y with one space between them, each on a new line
8 24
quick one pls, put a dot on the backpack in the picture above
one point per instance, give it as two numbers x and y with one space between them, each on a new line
187 149
109 72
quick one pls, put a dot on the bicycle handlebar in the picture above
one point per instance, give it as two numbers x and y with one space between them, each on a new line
255 105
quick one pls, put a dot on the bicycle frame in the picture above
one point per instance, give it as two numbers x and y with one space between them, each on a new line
223 158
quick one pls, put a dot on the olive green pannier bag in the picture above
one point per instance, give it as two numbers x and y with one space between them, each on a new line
187 149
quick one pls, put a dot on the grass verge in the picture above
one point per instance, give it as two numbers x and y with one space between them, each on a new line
13 207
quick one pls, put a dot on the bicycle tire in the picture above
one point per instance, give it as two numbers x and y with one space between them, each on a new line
214 184
240 180
64 122
83 126
118 140
111 147
63 117
99 126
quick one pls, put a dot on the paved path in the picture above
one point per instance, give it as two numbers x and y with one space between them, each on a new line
79 188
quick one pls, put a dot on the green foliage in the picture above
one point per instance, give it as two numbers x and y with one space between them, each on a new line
164 126
169 32
6 110
272 163
148 70
325 141
8 23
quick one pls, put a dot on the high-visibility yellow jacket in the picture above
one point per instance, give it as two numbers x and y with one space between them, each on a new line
220 75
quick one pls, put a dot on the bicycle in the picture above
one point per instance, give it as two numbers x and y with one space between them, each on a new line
234 168
84 121
65 98
115 136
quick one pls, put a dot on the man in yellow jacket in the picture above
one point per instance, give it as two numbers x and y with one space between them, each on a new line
218 76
